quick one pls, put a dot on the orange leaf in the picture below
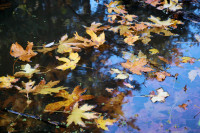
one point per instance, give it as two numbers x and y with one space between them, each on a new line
160 76
137 67
183 106
24 55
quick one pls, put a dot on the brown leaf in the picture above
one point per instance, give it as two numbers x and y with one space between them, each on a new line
183 106
24 55
160 76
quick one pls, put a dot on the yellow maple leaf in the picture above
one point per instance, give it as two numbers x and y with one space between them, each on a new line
5 82
96 41
78 113
102 123
173 5
27 71
69 63
131 39
47 88
70 99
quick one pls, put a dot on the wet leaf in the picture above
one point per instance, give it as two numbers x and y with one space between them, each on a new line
173 5
137 67
188 59
183 106
47 88
153 51
69 63
27 71
5 82
160 97
131 39
82 112
128 85
197 37
47 48
153 2
102 123
70 99
121 74
160 76
17 50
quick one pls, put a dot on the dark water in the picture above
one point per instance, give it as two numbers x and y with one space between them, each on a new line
46 21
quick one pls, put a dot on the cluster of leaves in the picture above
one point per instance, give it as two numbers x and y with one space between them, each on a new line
132 31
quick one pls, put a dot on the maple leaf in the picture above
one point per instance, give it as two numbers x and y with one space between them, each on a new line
139 27
102 123
160 76
95 27
153 2
188 59
17 50
78 113
5 82
27 71
70 99
69 63
160 97
43 88
137 67
153 51
173 5
131 39
46 49
28 87
197 37
113 6
121 74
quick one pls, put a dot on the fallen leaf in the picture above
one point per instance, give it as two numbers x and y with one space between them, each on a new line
27 71
183 106
188 59
185 88
120 74
47 88
78 113
128 85
153 2
102 123
17 50
137 67
69 99
69 63
46 48
160 97
173 5
197 37
109 89
160 76
131 39
153 51
5 82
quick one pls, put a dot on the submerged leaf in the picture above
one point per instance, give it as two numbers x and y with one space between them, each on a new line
5 82
102 123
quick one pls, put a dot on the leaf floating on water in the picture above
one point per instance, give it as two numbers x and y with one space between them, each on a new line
183 106
128 85
82 112
197 37
5 82
160 97
17 50
27 71
137 67
160 76
121 74
69 99
102 123
69 63
153 51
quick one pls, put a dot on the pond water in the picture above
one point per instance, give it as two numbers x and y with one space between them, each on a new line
43 22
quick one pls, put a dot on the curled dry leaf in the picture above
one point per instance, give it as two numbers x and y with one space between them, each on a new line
82 112
160 97
5 82
102 123
70 99
27 71
17 50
